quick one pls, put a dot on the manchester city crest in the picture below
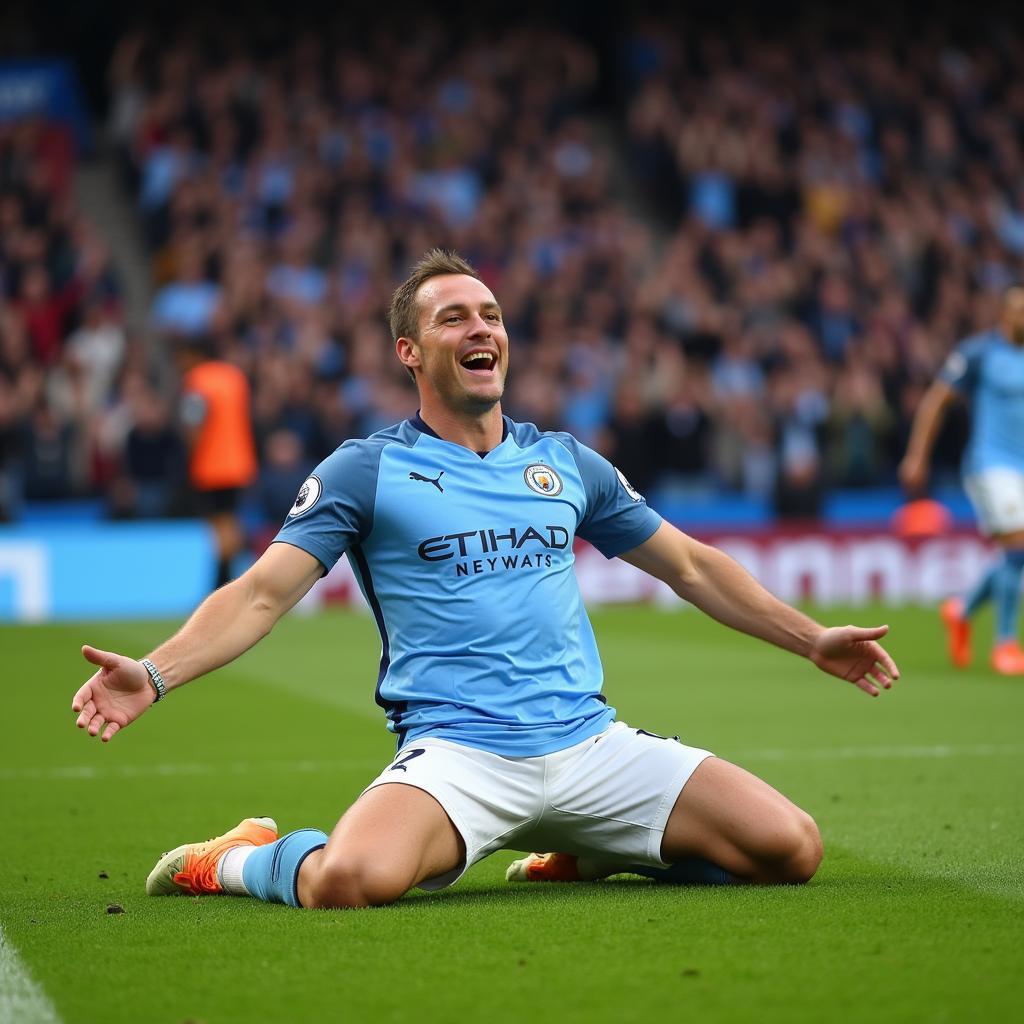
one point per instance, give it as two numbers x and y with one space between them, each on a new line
543 479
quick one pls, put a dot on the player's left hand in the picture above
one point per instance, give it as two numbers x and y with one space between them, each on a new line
854 654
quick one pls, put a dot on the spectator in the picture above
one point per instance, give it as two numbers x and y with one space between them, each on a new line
859 427
186 307
98 347
49 446
45 312
150 483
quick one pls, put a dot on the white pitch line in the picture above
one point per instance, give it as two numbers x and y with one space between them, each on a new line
937 751
89 772
22 1001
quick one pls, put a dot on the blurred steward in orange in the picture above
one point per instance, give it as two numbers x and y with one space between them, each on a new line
215 412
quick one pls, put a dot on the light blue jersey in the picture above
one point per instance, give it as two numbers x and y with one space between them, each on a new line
467 563
989 370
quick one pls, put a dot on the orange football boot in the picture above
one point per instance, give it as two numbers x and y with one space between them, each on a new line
545 867
192 868
562 867
958 631
1008 658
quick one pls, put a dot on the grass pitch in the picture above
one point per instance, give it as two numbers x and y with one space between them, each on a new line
915 915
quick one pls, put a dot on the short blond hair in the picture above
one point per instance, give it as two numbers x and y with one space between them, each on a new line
404 310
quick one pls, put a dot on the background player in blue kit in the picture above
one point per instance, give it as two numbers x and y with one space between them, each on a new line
988 370
459 524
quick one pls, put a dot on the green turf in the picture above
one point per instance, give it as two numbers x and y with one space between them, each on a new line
915 915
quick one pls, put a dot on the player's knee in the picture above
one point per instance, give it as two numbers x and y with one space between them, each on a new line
354 881
790 851
804 848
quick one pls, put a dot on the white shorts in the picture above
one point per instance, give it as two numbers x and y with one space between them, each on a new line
609 796
998 499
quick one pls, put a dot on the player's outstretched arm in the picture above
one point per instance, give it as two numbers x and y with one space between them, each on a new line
722 588
931 410
225 625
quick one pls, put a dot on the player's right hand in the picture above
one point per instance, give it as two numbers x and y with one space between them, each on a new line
913 475
115 696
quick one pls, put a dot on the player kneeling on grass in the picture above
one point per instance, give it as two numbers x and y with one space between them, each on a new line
460 525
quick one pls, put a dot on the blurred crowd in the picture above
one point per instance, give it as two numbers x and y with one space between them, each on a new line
62 342
736 269
845 204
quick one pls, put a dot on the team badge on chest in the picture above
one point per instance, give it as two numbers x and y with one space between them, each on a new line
543 479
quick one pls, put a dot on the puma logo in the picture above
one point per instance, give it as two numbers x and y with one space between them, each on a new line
429 480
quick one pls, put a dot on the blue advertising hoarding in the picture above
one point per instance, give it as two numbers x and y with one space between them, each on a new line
104 570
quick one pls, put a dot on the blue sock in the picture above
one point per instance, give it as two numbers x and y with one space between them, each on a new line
690 871
982 590
271 872
1006 593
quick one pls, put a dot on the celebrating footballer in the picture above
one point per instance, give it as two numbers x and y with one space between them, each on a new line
459 524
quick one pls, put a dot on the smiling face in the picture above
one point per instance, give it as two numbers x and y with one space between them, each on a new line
461 355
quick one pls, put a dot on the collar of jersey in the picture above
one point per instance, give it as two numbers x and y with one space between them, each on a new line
424 428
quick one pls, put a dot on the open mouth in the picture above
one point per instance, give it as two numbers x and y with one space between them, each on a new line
479 361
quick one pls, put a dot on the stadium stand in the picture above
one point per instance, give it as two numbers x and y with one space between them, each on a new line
733 269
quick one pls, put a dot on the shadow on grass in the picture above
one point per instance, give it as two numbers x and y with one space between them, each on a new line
877 884
852 883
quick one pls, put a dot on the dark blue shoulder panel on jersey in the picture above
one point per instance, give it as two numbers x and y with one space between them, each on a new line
962 368
341 513
617 518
